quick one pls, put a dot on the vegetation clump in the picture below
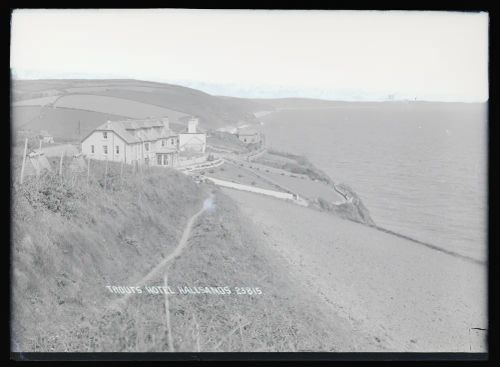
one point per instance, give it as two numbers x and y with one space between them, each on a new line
51 192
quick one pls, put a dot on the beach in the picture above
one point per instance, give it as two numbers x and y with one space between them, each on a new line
406 296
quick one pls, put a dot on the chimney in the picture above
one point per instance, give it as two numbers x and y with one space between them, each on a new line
192 125
166 123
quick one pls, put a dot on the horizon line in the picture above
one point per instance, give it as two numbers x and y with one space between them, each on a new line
189 85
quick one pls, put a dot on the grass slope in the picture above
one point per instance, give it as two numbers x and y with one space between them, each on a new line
71 239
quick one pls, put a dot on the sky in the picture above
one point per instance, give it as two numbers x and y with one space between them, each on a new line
343 55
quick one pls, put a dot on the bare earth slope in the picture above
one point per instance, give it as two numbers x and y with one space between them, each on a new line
408 297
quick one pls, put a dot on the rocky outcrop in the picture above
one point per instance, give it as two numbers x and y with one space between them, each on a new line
352 208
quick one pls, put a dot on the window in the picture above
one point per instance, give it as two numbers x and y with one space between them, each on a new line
172 141
163 142
146 146
92 149
158 156
105 148
117 149
105 134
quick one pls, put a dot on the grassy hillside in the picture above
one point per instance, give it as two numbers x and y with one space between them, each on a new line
72 238
62 123
119 106
129 98
224 140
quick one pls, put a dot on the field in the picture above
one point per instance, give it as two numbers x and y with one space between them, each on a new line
130 98
234 173
302 185
42 101
275 160
296 174
62 123
117 106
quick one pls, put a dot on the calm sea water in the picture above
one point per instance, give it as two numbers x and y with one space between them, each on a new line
420 168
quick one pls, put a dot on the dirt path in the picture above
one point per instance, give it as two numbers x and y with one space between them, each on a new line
177 251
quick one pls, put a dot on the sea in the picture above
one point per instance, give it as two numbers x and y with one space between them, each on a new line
419 167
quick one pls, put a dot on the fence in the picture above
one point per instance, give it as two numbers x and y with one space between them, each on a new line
237 186
76 170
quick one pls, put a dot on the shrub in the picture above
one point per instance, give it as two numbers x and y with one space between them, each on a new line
52 193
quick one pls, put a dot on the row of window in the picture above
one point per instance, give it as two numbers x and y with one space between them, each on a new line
172 141
104 149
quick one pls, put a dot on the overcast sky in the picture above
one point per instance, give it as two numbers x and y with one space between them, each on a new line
327 54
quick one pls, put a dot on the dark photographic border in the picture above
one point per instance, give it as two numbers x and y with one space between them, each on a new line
298 356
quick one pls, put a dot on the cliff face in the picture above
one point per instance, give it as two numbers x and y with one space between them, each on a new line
352 209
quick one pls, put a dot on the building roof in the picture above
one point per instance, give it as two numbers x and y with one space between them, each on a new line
193 139
120 130
135 131
247 132
142 124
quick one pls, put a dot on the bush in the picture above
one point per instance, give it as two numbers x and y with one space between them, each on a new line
52 193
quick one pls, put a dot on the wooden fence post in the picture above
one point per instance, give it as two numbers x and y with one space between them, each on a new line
61 163
121 174
167 314
197 333
88 170
24 159
106 174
